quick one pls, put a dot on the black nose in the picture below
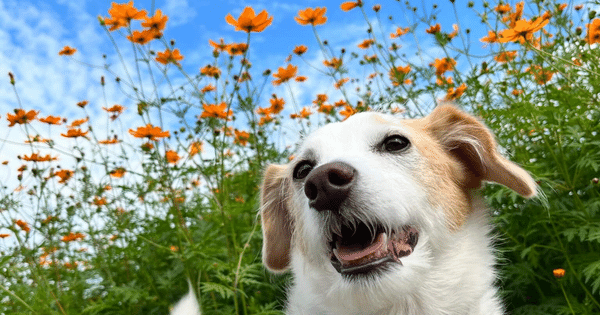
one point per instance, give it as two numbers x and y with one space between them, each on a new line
328 185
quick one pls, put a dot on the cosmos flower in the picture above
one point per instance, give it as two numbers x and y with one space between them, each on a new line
248 21
311 16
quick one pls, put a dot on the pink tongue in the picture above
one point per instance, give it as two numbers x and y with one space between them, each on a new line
349 255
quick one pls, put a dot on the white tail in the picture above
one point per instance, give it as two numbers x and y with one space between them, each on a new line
188 305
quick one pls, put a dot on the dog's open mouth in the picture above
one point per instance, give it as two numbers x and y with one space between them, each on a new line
359 251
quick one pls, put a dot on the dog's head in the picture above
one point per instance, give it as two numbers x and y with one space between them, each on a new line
375 195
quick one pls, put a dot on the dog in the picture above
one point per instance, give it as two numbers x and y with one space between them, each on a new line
378 215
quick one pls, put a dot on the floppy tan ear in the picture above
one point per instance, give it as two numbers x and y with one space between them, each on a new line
474 146
276 220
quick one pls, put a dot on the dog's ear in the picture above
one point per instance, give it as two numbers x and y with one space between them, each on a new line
474 146
276 220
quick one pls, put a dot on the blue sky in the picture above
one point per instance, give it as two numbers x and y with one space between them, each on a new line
33 31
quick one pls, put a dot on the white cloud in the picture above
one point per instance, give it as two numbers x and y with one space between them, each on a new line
179 12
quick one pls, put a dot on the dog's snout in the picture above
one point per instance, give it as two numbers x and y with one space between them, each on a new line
329 185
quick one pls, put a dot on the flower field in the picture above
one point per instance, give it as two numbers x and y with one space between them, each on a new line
114 213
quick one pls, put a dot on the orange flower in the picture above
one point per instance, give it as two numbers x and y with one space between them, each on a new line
366 44
150 132
241 137
64 175
265 120
522 31
157 22
99 201
113 23
514 17
503 8
117 172
541 76
397 74
347 6
434 29
67 51
208 88
216 111
34 157
558 273
220 46
48 219
340 103
237 49
211 71
443 65
334 63
455 93
248 21
321 98
348 111
311 16
4 235
23 225
593 32
491 38
169 56
304 113
82 104
285 74
74 133
195 148
73 237
122 14
325 109
114 109
109 141
454 33
276 104
440 80
172 156
505 56
399 32
21 117
300 78
144 36
299 50
79 122
264 111
51 120
340 82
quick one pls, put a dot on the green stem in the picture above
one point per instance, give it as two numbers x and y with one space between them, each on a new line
566 297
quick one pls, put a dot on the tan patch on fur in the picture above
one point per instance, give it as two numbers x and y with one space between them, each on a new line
277 224
441 175
461 153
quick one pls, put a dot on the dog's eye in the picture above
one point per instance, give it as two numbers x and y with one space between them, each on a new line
302 169
395 143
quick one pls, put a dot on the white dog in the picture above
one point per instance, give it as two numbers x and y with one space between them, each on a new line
377 215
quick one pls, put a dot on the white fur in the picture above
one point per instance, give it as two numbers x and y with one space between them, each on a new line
451 270
188 305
